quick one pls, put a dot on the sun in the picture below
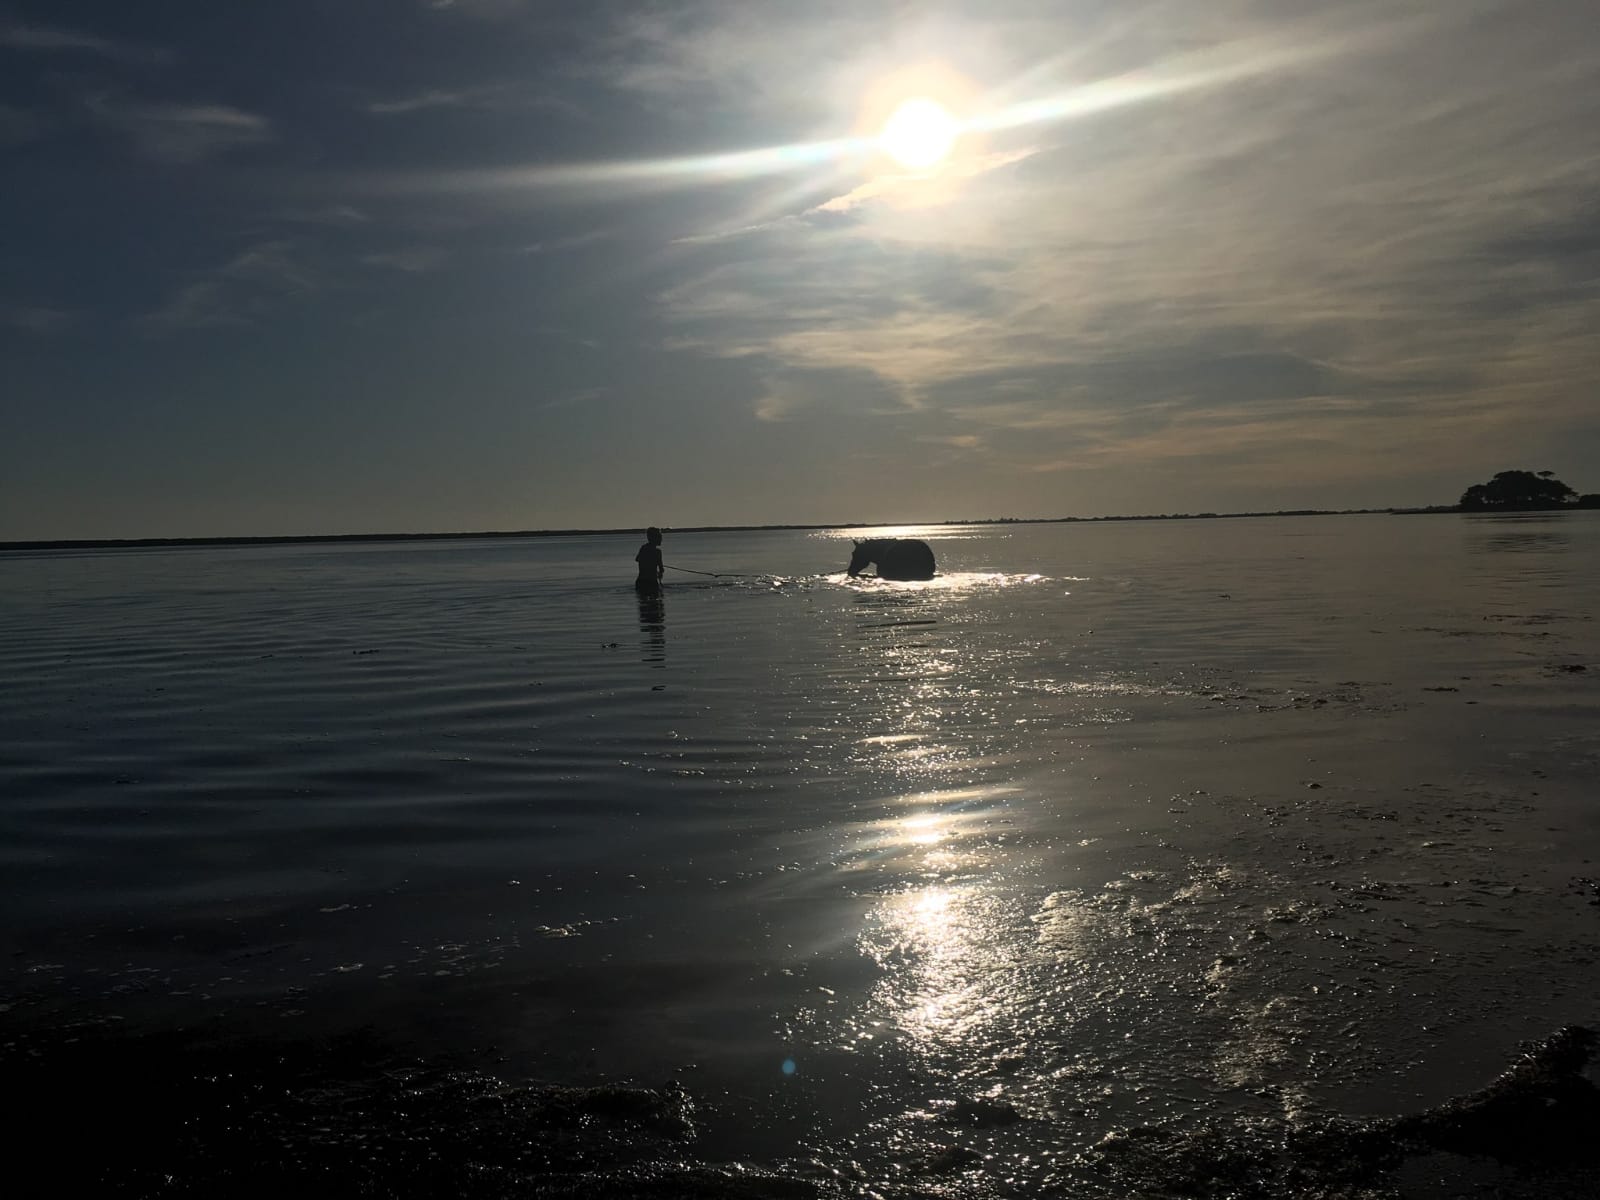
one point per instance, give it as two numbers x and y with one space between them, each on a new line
919 134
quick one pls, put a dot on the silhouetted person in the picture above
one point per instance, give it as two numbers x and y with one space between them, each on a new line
651 568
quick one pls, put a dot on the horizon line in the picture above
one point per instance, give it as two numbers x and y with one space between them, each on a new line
465 535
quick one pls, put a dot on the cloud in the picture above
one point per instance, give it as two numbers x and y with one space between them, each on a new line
1386 237
566 335
433 98
835 395
709 50
477 8
332 215
274 263
414 260
562 245
203 304
241 290
182 133
920 189
35 318
516 96
42 38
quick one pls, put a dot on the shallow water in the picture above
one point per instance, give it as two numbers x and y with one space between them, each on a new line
1177 823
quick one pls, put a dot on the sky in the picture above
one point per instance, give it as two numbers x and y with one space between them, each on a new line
328 266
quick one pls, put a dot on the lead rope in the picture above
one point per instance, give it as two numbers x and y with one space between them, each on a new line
713 574
719 574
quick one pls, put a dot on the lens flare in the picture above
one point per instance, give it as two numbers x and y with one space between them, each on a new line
919 135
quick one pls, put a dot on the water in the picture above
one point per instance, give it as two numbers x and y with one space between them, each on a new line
1189 824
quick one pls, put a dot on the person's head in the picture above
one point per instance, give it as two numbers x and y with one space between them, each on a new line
653 536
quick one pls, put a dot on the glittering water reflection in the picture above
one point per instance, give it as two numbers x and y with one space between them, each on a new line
936 936
946 972
944 831
941 586
939 935
923 830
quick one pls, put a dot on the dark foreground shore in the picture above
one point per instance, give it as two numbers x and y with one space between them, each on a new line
98 1114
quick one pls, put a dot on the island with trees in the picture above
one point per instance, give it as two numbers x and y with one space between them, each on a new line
1524 491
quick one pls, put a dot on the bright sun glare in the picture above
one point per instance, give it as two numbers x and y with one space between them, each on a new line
919 134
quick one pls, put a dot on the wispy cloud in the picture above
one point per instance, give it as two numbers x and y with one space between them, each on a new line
478 97
562 245
182 133
421 101
566 335
491 9
18 36
1380 235
413 260
921 189
241 290
34 318
332 215
202 304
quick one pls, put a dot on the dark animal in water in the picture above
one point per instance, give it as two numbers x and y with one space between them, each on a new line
897 558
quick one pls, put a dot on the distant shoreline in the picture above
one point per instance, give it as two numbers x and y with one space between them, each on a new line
297 539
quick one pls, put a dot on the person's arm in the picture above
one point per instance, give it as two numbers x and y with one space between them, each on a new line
661 565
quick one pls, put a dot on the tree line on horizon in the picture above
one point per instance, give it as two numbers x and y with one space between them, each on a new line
1524 491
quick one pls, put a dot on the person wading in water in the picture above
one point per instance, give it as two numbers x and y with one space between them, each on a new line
651 568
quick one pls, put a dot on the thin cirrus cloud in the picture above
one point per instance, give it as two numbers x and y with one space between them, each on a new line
329 215
35 318
181 133
422 101
563 245
242 290
45 39
1369 206
484 97
477 8
413 260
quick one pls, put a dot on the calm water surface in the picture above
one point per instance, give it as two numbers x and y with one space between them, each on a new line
1109 825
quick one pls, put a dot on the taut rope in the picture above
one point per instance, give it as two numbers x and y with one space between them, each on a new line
714 574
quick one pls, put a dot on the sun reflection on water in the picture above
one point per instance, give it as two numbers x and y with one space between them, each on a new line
946 583
942 834
943 964
941 932
939 940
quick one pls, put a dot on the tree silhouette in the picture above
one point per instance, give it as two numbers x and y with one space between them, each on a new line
1518 490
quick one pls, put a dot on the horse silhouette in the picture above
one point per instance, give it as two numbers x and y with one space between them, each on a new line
897 558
